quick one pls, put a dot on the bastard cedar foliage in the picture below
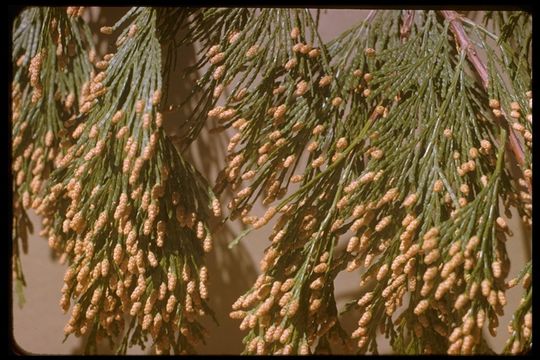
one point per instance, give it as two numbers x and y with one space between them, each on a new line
393 150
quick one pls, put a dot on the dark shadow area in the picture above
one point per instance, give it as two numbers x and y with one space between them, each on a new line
231 270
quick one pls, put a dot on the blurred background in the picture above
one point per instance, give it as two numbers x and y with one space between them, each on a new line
38 325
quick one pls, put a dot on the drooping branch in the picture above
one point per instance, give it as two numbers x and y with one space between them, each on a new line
463 42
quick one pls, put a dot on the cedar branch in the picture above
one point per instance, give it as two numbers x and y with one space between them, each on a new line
464 43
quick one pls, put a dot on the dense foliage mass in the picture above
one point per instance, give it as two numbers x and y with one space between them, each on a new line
387 151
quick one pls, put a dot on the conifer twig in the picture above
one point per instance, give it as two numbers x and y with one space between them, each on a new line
408 21
371 15
463 41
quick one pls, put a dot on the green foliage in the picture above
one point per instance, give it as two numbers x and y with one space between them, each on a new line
51 63
521 324
395 136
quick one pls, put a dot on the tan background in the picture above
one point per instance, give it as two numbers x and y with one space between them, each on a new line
38 326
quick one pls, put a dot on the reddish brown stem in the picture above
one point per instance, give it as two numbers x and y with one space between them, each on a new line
405 29
463 42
